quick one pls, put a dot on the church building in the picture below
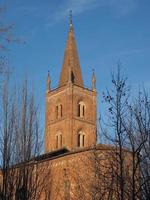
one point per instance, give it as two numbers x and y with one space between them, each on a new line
80 169
73 166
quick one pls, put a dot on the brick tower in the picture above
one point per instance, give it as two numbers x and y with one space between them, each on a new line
70 108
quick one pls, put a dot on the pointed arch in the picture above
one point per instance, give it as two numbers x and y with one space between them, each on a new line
59 140
59 110
81 109
81 138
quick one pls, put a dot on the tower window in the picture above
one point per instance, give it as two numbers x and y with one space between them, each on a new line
56 111
56 141
59 141
78 110
59 111
78 140
81 139
60 107
81 109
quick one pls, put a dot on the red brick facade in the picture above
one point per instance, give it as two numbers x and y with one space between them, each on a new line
70 108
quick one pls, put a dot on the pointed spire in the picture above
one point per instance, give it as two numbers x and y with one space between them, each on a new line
93 81
71 60
48 82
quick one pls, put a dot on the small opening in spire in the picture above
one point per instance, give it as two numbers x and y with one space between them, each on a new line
72 77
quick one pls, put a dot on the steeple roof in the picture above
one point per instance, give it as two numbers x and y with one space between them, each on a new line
71 65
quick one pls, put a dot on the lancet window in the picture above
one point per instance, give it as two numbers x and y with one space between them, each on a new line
59 141
81 109
81 139
59 111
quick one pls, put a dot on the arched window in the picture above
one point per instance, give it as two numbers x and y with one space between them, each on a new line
56 141
59 111
81 139
81 109
59 141
56 111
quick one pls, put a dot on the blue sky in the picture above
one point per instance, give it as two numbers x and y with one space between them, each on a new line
106 31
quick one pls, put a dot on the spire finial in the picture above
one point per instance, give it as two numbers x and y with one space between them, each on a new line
70 16
93 80
70 19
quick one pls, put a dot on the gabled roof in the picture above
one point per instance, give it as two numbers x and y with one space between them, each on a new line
52 154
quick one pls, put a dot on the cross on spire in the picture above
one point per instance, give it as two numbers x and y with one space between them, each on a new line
70 20
48 82
70 17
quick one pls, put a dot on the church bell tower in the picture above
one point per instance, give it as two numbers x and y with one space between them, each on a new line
70 118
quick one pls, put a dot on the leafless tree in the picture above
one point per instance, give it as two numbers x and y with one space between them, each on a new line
20 144
129 120
117 100
6 31
140 140
7 136
27 143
